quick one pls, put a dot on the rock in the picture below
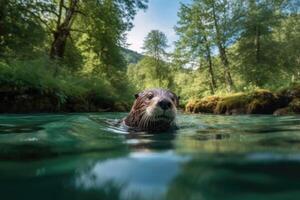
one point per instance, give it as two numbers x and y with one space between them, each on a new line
283 111
257 102
235 103
294 105
262 102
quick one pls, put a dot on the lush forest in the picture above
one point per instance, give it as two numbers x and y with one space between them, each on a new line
66 54
72 53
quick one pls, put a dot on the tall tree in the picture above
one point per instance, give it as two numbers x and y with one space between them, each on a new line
155 45
194 38
257 44
211 25
226 17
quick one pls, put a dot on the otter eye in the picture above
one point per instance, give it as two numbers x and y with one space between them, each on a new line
150 96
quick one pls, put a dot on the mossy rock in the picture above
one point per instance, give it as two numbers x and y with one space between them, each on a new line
204 105
262 102
283 111
257 102
292 108
295 105
232 104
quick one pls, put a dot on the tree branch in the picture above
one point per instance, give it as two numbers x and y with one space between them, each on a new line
36 16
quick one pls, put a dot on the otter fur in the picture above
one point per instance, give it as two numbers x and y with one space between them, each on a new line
153 110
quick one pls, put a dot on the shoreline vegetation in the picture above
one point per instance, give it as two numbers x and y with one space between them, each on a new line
31 87
260 101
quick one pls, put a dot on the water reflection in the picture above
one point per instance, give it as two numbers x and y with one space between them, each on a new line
138 176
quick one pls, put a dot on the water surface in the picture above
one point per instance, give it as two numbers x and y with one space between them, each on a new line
86 156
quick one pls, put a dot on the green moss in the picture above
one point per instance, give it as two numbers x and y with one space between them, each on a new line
262 102
204 105
229 103
256 102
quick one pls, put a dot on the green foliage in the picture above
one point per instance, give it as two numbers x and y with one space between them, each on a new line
155 44
37 74
255 42
146 74
84 42
131 57
152 71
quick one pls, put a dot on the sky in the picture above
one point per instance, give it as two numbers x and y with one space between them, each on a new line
160 15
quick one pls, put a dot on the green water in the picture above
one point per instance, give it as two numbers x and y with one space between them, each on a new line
84 156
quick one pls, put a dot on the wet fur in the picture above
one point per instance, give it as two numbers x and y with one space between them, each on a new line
147 115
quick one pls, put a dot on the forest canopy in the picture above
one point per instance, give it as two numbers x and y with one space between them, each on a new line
76 48
230 46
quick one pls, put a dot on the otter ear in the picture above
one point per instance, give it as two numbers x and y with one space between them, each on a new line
136 95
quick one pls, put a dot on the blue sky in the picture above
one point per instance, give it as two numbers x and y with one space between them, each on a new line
161 15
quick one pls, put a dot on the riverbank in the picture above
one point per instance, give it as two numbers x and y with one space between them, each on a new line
35 101
283 102
34 86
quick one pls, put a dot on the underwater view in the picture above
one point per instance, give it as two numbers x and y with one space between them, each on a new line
89 156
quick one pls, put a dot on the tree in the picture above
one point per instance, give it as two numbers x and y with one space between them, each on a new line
155 45
208 25
257 44
194 39
60 17
226 18
20 34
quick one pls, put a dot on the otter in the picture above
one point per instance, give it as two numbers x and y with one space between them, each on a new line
153 110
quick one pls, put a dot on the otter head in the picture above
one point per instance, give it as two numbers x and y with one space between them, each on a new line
153 110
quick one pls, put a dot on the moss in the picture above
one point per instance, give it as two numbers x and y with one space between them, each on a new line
205 105
232 104
283 102
295 105
262 102
257 102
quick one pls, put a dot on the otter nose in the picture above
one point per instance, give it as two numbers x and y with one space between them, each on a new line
164 104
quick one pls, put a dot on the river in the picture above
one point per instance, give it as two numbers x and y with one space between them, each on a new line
88 156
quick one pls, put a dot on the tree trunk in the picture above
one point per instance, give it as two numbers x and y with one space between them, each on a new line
213 84
3 13
222 51
257 44
59 43
63 29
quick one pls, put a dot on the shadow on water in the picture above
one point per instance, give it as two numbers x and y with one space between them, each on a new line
88 156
